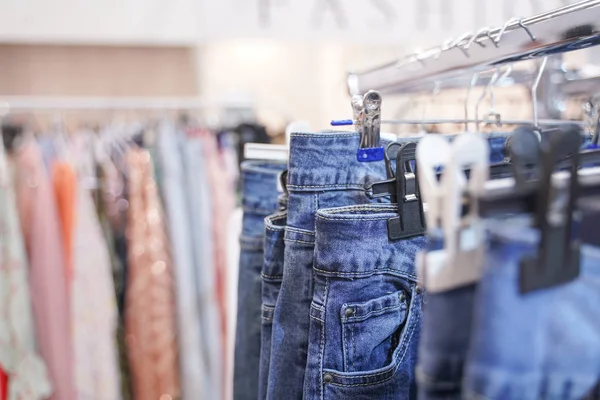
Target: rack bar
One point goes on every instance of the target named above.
(565, 29)
(33, 103)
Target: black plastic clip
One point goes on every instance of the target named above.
(410, 221)
(557, 259)
(387, 187)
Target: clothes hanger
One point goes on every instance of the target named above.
(275, 152)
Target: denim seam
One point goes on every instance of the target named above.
(298, 241)
(317, 318)
(342, 210)
(340, 186)
(322, 352)
(351, 219)
(302, 231)
(369, 314)
(367, 274)
(391, 372)
(276, 230)
(271, 276)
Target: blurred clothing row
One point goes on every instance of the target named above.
(113, 264)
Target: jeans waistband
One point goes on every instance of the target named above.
(327, 161)
(259, 186)
(274, 245)
(352, 242)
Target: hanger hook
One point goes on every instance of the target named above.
(456, 42)
(531, 36)
(477, 35)
(474, 80)
(490, 84)
(534, 88)
(503, 29)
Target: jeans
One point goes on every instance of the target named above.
(539, 345)
(259, 190)
(366, 308)
(272, 275)
(323, 172)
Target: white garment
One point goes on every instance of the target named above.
(94, 315)
(26, 370)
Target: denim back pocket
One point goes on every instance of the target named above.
(371, 331)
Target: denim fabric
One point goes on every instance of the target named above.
(540, 345)
(323, 172)
(366, 309)
(272, 275)
(445, 335)
(259, 199)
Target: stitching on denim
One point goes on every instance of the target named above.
(345, 341)
(267, 308)
(351, 219)
(393, 371)
(322, 350)
(275, 229)
(362, 318)
(341, 210)
(363, 274)
(266, 319)
(271, 276)
(353, 349)
(298, 241)
(316, 307)
(317, 318)
(338, 185)
(302, 231)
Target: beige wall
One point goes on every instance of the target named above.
(97, 71)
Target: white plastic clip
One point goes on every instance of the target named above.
(460, 261)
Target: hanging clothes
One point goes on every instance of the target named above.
(202, 219)
(150, 302)
(48, 286)
(93, 302)
(24, 373)
(64, 180)
(194, 378)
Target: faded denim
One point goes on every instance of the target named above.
(366, 309)
(272, 275)
(540, 345)
(259, 199)
(323, 172)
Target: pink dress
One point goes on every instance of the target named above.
(47, 281)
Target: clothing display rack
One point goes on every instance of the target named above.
(565, 29)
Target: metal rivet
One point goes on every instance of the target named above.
(349, 312)
(328, 378)
(402, 296)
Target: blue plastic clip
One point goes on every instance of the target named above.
(370, 154)
(342, 122)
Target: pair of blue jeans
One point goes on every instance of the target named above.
(366, 308)
(323, 172)
(539, 345)
(272, 275)
(259, 199)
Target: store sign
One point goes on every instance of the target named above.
(190, 21)
(371, 21)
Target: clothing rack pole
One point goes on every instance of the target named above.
(564, 29)
(33, 103)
